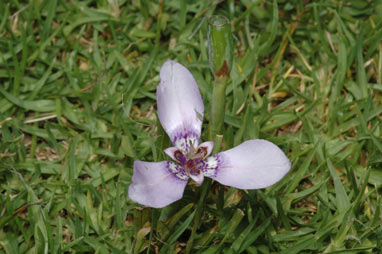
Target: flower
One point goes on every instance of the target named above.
(253, 164)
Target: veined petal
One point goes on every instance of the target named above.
(253, 164)
(180, 105)
(157, 184)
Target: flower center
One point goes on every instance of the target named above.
(193, 160)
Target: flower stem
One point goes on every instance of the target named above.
(220, 49)
(220, 45)
(217, 107)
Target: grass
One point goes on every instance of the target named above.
(78, 106)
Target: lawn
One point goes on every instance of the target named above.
(78, 106)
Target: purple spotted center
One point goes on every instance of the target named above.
(193, 161)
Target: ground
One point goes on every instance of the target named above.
(78, 106)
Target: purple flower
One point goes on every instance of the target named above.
(253, 164)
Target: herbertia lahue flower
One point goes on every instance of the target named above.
(253, 164)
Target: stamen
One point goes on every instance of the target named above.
(190, 165)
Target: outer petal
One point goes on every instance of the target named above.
(180, 105)
(157, 184)
(253, 164)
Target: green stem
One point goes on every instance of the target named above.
(220, 49)
(217, 107)
(216, 125)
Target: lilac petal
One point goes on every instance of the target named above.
(253, 164)
(180, 105)
(157, 184)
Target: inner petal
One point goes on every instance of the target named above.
(197, 176)
(205, 148)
